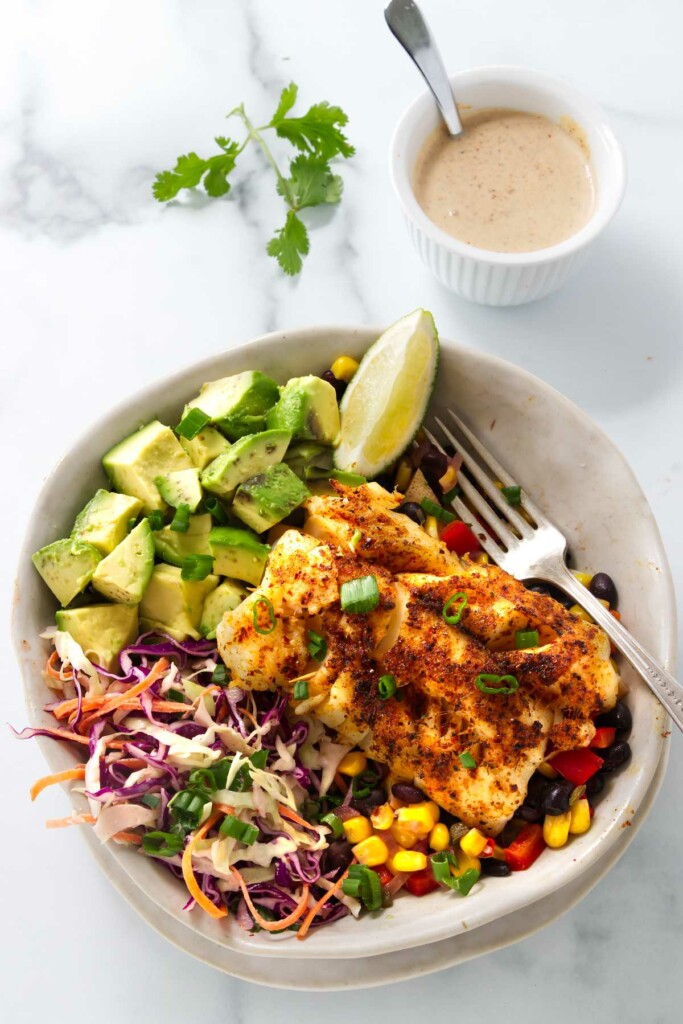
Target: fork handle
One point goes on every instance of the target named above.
(667, 690)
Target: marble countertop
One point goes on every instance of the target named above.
(105, 290)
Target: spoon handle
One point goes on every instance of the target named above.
(405, 20)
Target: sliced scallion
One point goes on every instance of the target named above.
(349, 479)
(513, 494)
(453, 618)
(219, 675)
(271, 616)
(487, 683)
(156, 520)
(300, 691)
(526, 638)
(360, 596)
(192, 423)
(162, 844)
(466, 760)
(387, 686)
(441, 864)
(213, 506)
(196, 567)
(334, 822)
(317, 645)
(433, 509)
(181, 520)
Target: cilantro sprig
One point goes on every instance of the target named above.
(317, 137)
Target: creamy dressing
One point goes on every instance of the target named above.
(513, 182)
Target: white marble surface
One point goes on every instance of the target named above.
(104, 290)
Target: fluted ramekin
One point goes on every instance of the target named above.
(498, 278)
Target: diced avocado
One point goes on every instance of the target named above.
(67, 567)
(224, 598)
(269, 497)
(238, 405)
(174, 547)
(308, 409)
(102, 630)
(310, 460)
(205, 446)
(180, 488)
(238, 553)
(174, 605)
(134, 463)
(124, 574)
(245, 458)
(105, 519)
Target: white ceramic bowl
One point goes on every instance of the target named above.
(494, 278)
(573, 471)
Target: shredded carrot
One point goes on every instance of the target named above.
(130, 762)
(273, 926)
(167, 707)
(54, 673)
(224, 809)
(341, 784)
(188, 874)
(128, 837)
(317, 907)
(50, 780)
(109, 702)
(286, 813)
(70, 707)
(71, 819)
(247, 714)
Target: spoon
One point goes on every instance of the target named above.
(407, 23)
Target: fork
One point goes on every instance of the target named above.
(534, 548)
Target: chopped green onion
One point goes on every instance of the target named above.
(503, 684)
(317, 646)
(513, 494)
(363, 883)
(191, 423)
(351, 887)
(360, 596)
(466, 760)
(350, 479)
(215, 509)
(250, 835)
(432, 509)
(526, 638)
(271, 615)
(441, 864)
(156, 520)
(162, 844)
(196, 567)
(310, 809)
(300, 689)
(355, 540)
(334, 822)
(181, 519)
(387, 686)
(242, 831)
(454, 493)
(359, 794)
(186, 807)
(454, 618)
(259, 758)
(150, 800)
(204, 778)
(174, 694)
(219, 675)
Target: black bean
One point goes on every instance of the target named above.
(618, 718)
(296, 518)
(556, 799)
(338, 385)
(337, 856)
(536, 791)
(494, 867)
(386, 481)
(407, 793)
(433, 464)
(595, 785)
(365, 805)
(615, 756)
(530, 814)
(550, 591)
(413, 511)
(602, 586)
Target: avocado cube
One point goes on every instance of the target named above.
(250, 455)
(105, 519)
(238, 553)
(181, 488)
(135, 463)
(238, 405)
(310, 460)
(174, 547)
(224, 599)
(67, 567)
(124, 574)
(102, 630)
(269, 497)
(173, 605)
(205, 446)
(307, 409)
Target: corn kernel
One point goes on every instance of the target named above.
(435, 809)
(547, 770)
(404, 473)
(357, 829)
(439, 837)
(580, 820)
(605, 604)
(371, 851)
(417, 818)
(448, 481)
(344, 368)
(382, 817)
(556, 829)
(473, 843)
(408, 860)
(404, 836)
(464, 863)
(584, 578)
(431, 527)
(353, 764)
(579, 613)
(480, 558)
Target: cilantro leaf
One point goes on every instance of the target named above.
(215, 182)
(289, 244)
(287, 101)
(311, 183)
(187, 173)
(317, 131)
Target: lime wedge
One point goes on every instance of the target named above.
(387, 398)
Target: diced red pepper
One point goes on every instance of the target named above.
(604, 737)
(525, 849)
(384, 874)
(488, 849)
(419, 883)
(578, 766)
(458, 537)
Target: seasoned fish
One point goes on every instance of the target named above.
(439, 711)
